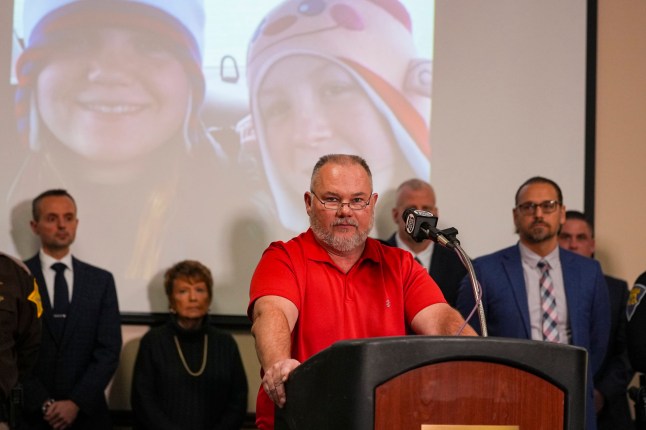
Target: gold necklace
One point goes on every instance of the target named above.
(181, 356)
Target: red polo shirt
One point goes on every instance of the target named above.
(379, 296)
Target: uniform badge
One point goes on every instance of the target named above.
(34, 297)
(637, 293)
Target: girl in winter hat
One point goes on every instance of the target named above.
(336, 76)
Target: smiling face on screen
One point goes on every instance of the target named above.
(112, 94)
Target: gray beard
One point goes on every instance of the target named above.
(339, 244)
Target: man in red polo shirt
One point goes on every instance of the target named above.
(333, 282)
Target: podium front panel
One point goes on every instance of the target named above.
(337, 388)
(468, 393)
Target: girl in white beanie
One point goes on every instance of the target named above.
(336, 77)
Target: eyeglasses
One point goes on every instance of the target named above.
(333, 204)
(529, 208)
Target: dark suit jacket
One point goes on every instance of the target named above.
(637, 325)
(615, 374)
(446, 269)
(504, 300)
(79, 365)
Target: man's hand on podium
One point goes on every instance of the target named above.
(274, 379)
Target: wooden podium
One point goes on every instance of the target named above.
(433, 383)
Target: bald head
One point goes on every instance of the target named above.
(417, 194)
(341, 160)
(421, 189)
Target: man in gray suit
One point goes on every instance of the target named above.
(81, 338)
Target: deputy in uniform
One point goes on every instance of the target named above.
(636, 331)
(20, 310)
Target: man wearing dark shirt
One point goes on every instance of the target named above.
(611, 381)
(442, 264)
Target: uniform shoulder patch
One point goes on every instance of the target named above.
(637, 293)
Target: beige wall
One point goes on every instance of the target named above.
(621, 138)
(620, 207)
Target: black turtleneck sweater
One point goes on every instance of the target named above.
(166, 397)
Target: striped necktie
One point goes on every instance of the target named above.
(548, 304)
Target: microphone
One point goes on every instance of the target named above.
(420, 225)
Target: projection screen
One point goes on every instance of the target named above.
(188, 130)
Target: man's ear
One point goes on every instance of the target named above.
(395, 214)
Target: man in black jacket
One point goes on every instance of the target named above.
(636, 335)
(442, 264)
(637, 324)
(611, 381)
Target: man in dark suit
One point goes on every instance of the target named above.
(442, 264)
(636, 315)
(636, 343)
(81, 338)
(536, 290)
(611, 382)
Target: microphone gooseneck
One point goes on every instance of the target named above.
(421, 225)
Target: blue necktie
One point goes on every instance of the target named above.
(61, 298)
